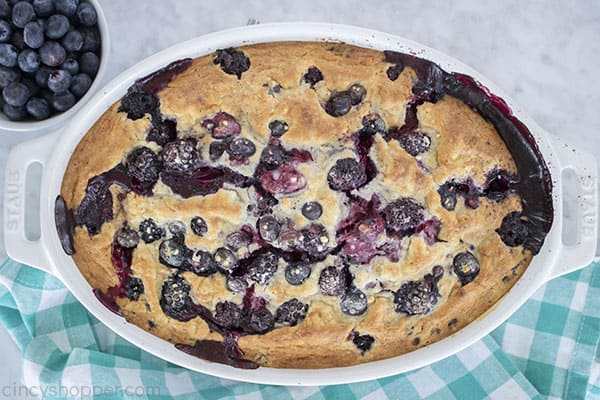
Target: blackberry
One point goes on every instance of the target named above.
(297, 273)
(466, 267)
(414, 142)
(291, 312)
(173, 253)
(315, 239)
(138, 102)
(150, 231)
(232, 62)
(143, 164)
(228, 314)
(363, 342)
(417, 297)
(403, 215)
(268, 228)
(199, 226)
(181, 156)
(134, 288)
(263, 267)
(347, 174)
(175, 300)
(127, 237)
(202, 263)
(312, 76)
(258, 321)
(354, 302)
(513, 231)
(333, 281)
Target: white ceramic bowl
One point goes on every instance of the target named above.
(53, 151)
(51, 124)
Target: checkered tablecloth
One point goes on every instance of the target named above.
(547, 349)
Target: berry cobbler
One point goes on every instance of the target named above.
(304, 205)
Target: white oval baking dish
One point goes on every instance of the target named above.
(53, 152)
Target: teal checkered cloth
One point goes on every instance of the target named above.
(547, 349)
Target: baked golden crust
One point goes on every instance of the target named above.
(463, 145)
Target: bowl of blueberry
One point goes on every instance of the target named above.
(52, 58)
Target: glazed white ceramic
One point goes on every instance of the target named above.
(53, 152)
(17, 127)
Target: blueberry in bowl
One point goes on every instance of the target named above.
(58, 50)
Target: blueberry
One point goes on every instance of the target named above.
(127, 237)
(297, 273)
(268, 228)
(232, 62)
(29, 61)
(14, 113)
(72, 41)
(273, 156)
(417, 297)
(373, 123)
(333, 281)
(241, 147)
(216, 149)
(347, 174)
(161, 132)
(513, 231)
(22, 13)
(38, 108)
(59, 81)
(363, 342)
(354, 302)
(312, 76)
(278, 128)
(258, 321)
(202, 263)
(338, 104)
(414, 142)
(237, 240)
(5, 9)
(312, 210)
(357, 93)
(5, 31)
(173, 252)
(448, 195)
(66, 7)
(177, 228)
(57, 26)
(236, 285)
(143, 165)
(71, 66)
(137, 102)
(226, 260)
(150, 231)
(43, 8)
(18, 40)
(16, 94)
(8, 55)
(403, 215)
(315, 239)
(8, 76)
(291, 312)
(466, 267)
(199, 226)
(134, 288)
(86, 14)
(181, 156)
(33, 35)
(394, 71)
(263, 267)
(222, 125)
(227, 314)
(91, 39)
(52, 54)
(89, 63)
(175, 300)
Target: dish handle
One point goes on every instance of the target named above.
(583, 164)
(21, 156)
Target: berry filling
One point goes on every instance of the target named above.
(419, 297)
(291, 312)
(362, 342)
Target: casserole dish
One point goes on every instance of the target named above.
(47, 253)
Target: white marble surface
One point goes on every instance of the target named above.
(544, 54)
